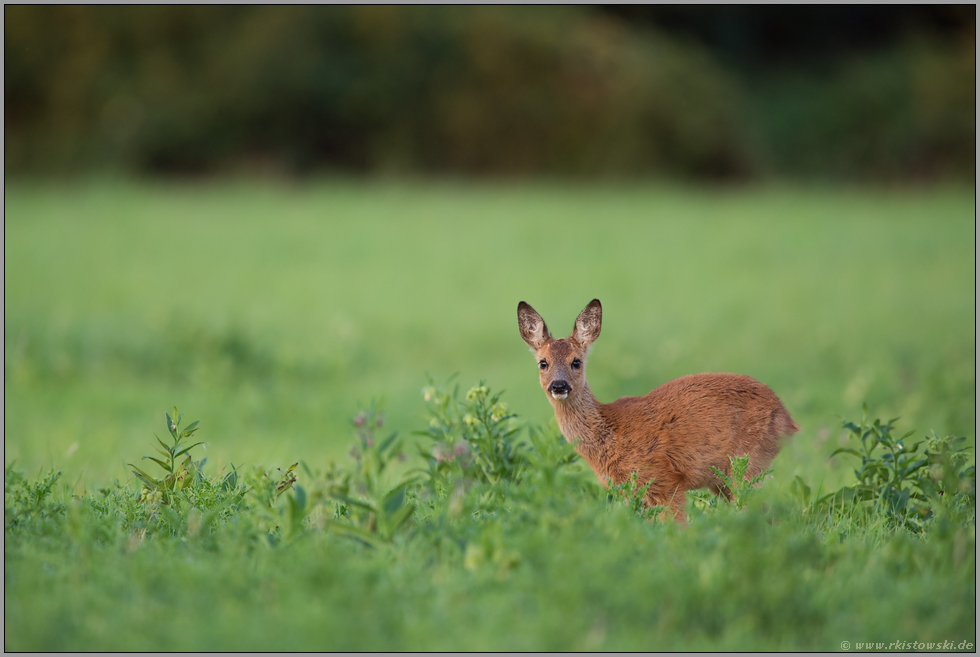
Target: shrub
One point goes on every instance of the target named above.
(907, 484)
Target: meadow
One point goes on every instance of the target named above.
(275, 312)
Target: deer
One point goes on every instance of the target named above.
(670, 437)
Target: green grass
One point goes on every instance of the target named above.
(274, 312)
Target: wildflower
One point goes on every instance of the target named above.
(477, 392)
(469, 420)
(428, 393)
(498, 412)
(460, 449)
(359, 419)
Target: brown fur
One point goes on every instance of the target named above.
(673, 434)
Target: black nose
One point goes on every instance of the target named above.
(559, 387)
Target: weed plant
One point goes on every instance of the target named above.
(903, 484)
(507, 543)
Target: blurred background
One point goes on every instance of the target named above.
(866, 92)
(271, 216)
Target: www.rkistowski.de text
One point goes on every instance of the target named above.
(908, 645)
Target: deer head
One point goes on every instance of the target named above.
(561, 363)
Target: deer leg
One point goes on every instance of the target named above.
(669, 492)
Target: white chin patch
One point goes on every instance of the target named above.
(559, 395)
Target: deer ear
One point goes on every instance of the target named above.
(533, 328)
(588, 324)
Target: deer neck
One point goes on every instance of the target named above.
(584, 426)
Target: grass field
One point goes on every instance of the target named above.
(275, 312)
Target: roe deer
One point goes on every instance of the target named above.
(672, 435)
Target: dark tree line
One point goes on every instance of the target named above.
(688, 91)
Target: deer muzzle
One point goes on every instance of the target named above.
(559, 389)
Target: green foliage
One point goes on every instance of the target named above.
(28, 505)
(196, 512)
(737, 487)
(892, 112)
(473, 436)
(179, 475)
(408, 88)
(554, 462)
(898, 482)
(279, 520)
(267, 489)
(283, 375)
(633, 494)
(370, 510)
(184, 500)
(552, 567)
(275, 360)
(557, 90)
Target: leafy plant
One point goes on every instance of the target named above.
(943, 477)
(904, 482)
(280, 521)
(473, 436)
(538, 538)
(634, 495)
(553, 461)
(368, 510)
(178, 475)
(736, 488)
(267, 489)
(28, 503)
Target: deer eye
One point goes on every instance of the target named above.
(576, 364)
(543, 364)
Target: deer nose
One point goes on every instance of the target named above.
(559, 387)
